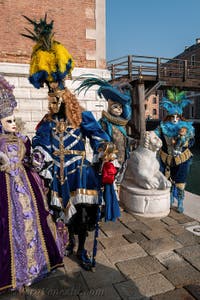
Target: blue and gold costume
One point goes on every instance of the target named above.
(59, 153)
(177, 138)
(73, 179)
(114, 124)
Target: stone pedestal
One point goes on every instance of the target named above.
(143, 202)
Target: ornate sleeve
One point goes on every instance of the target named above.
(42, 150)
(92, 129)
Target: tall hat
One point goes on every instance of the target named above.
(7, 99)
(120, 93)
(175, 102)
(50, 60)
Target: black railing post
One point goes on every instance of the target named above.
(112, 71)
(158, 68)
(130, 67)
(185, 70)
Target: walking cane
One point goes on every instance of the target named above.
(96, 232)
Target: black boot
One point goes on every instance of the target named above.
(71, 244)
(82, 255)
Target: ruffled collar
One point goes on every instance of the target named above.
(114, 120)
(171, 130)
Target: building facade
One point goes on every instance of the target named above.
(152, 107)
(191, 55)
(78, 24)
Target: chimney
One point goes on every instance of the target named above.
(198, 41)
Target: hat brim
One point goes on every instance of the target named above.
(114, 94)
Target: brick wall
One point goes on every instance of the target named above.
(75, 24)
(78, 24)
(152, 107)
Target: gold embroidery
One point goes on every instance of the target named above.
(39, 224)
(181, 186)
(168, 159)
(84, 192)
(61, 153)
(52, 226)
(6, 287)
(13, 275)
(28, 223)
(184, 156)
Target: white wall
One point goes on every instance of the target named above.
(32, 103)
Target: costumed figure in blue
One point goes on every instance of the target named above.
(115, 119)
(177, 135)
(75, 187)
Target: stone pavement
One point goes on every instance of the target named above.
(138, 258)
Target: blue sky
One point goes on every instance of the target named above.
(151, 27)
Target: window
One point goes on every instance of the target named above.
(193, 60)
(154, 100)
(145, 106)
(154, 112)
(192, 112)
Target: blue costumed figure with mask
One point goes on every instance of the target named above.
(177, 135)
(115, 119)
(75, 188)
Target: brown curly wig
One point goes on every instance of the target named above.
(70, 107)
(73, 110)
(168, 118)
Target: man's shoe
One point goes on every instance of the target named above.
(84, 260)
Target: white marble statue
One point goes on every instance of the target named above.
(144, 189)
(143, 166)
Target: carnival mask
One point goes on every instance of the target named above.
(174, 119)
(8, 124)
(115, 108)
(54, 104)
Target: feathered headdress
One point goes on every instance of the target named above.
(50, 60)
(7, 99)
(120, 94)
(175, 102)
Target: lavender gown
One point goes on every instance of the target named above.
(28, 249)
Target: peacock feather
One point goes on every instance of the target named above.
(175, 102)
(90, 82)
(176, 95)
(109, 92)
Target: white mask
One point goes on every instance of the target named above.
(115, 108)
(175, 119)
(8, 124)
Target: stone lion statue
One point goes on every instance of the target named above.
(143, 167)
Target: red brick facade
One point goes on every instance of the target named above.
(72, 18)
(152, 107)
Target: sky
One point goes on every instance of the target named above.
(161, 28)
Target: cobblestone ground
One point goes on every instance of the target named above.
(138, 258)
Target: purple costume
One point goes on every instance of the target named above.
(28, 249)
